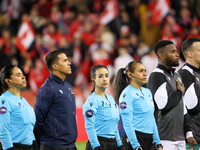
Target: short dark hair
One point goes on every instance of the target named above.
(187, 45)
(161, 44)
(5, 73)
(51, 58)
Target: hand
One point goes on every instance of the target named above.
(159, 147)
(191, 141)
(180, 87)
(121, 147)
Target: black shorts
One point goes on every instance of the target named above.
(45, 147)
(145, 140)
(106, 144)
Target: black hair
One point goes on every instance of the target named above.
(51, 58)
(161, 44)
(121, 80)
(93, 73)
(5, 73)
(187, 45)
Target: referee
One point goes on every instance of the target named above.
(101, 114)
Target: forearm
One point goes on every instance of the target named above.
(172, 101)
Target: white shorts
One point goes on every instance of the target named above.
(173, 145)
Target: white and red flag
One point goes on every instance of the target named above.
(110, 12)
(25, 36)
(160, 10)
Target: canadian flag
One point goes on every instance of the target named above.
(161, 9)
(25, 36)
(109, 13)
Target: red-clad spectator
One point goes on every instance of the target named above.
(173, 26)
(38, 75)
(43, 7)
(5, 40)
(194, 31)
(51, 35)
(76, 25)
(55, 14)
(88, 34)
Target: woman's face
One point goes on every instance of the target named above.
(140, 75)
(17, 79)
(101, 79)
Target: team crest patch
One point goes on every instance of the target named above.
(179, 79)
(89, 113)
(71, 90)
(3, 110)
(123, 105)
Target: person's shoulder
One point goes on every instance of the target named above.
(185, 70)
(5, 100)
(156, 75)
(91, 101)
(46, 88)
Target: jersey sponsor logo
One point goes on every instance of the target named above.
(3, 110)
(2, 102)
(89, 113)
(123, 105)
(61, 91)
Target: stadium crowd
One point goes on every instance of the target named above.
(73, 26)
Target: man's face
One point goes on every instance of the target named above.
(196, 52)
(63, 64)
(171, 56)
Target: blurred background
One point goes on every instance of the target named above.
(90, 32)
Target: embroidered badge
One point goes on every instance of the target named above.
(71, 90)
(3, 110)
(123, 105)
(179, 79)
(89, 113)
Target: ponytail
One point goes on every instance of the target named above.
(120, 82)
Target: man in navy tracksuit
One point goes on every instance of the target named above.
(55, 107)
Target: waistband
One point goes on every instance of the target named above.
(106, 139)
(22, 146)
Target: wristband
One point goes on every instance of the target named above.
(159, 145)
